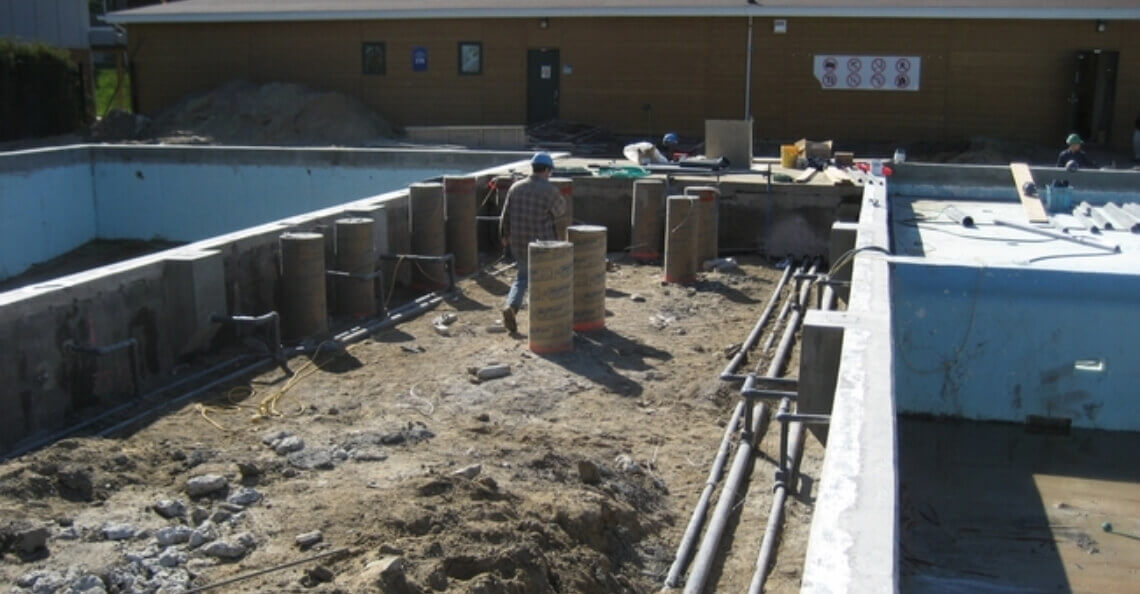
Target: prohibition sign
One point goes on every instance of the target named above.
(878, 80)
(878, 65)
(854, 79)
(830, 80)
(903, 65)
(902, 81)
(854, 64)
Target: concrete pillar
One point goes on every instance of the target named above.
(354, 254)
(195, 287)
(303, 308)
(842, 241)
(820, 349)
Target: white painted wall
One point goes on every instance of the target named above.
(187, 202)
(44, 213)
(61, 23)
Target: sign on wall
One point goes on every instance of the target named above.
(867, 73)
(419, 59)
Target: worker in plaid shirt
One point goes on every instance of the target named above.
(534, 210)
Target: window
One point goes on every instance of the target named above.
(373, 58)
(470, 57)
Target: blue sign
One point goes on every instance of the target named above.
(419, 59)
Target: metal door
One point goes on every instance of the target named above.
(1094, 94)
(541, 85)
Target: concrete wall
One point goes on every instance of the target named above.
(1002, 344)
(780, 220)
(46, 207)
(54, 200)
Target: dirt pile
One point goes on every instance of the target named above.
(244, 113)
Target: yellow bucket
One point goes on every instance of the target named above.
(788, 154)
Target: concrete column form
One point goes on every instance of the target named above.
(195, 284)
(820, 350)
(551, 273)
(429, 235)
(681, 221)
(379, 215)
(708, 236)
(356, 297)
(565, 187)
(459, 194)
(303, 299)
(647, 220)
(589, 276)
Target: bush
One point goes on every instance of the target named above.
(41, 92)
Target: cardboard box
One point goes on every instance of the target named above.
(812, 149)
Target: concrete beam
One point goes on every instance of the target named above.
(195, 284)
(820, 350)
(842, 241)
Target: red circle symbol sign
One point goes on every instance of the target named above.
(854, 64)
(902, 81)
(878, 64)
(830, 80)
(854, 79)
(903, 65)
(830, 64)
(878, 80)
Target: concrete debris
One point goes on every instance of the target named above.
(118, 531)
(225, 549)
(26, 540)
(442, 330)
(660, 321)
(170, 508)
(493, 372)
(496, 327)
(309, 539)
(288, 445)
(468, 472)
(248, 470)
(199, 515)
(446, 319)
(244, 497)
(386, 573)
(203, 534)
(172, 535)
(627, 464)
(319, 459)
(88, 584)
(367, 454)
(172, 557)
(727, 265)
(220, 516)
(320, 574)
(588, 472)
(206, 484)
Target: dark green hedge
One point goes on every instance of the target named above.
(41, 91)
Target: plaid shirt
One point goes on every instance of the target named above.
(532, 208)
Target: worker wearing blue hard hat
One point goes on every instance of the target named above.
(669, 144)
(1075, 157)
(534, 211)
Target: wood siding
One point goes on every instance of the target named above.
(999, 78)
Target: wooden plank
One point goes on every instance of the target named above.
(1034, 210)
(838, 176)
(805, 176)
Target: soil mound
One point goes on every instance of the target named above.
(244, 113)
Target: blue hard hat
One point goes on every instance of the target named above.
(670, 138)
(542, 159)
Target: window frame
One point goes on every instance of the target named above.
(365, 46)
(460, 65)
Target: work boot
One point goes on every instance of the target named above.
(509, 320)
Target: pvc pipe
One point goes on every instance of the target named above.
(789, 336)
(702, 566)
(959, 217)
(693, 531)
(779, 320)
(776, 514)
(1115, 248)
(791, 443)
(750, 342)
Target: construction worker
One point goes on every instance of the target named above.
(1075, 157)
(533, 211)
(669, 144)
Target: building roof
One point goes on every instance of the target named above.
(187, 11)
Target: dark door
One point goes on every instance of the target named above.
(1094, 94)
(541, 85)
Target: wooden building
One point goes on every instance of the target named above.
(886, 70)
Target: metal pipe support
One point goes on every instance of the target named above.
(131, 345)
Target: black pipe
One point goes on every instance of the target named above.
(273, 341)
(730, 370)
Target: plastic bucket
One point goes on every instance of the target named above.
(788, 154)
